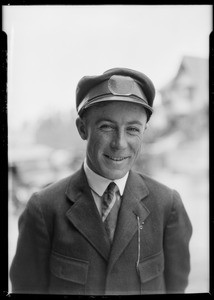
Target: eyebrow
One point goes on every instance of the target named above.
(135, 122)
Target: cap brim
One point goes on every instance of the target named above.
(116, 98)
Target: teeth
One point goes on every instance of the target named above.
(116, 158)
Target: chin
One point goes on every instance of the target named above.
(115, 175)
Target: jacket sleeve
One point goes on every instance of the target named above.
(177, 235)
(29, 268)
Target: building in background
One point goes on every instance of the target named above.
(187, 93)
(179, 125)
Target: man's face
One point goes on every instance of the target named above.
(114, 133)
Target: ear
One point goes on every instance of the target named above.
(81, 127)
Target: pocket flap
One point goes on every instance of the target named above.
(69, 268)
(151, 267)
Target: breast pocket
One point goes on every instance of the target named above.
(72, 270)
(151, 269)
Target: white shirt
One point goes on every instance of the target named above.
(98, 184)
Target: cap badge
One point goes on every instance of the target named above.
(121, 85)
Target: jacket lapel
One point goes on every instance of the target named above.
(131, 208)
(84, 215)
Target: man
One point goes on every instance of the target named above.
(106, 230)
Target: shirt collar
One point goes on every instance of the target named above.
(99, 184)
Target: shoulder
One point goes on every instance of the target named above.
(156, 185)
(158, 192)
(54, 195)
(61, 186)
(153, 185)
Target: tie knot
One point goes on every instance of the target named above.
(112, 188)
(109, 198)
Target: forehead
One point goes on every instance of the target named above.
(117, 110)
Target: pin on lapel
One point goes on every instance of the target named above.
(140, 224)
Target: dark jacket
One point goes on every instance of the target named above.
(63, 247)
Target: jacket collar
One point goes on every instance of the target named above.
(131, 208)
(85, 217)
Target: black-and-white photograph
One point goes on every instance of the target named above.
(108, 149)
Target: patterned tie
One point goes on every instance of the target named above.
(110, 208)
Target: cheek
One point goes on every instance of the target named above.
(136, 144)
(97, 142)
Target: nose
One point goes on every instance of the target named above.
(119, 141)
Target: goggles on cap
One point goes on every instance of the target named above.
(116, 88)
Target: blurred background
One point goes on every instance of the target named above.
(51, 47)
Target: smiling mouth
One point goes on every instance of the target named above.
(116, 158)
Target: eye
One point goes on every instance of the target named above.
(106, 127)
(133, 129)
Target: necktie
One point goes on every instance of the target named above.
(110, 208)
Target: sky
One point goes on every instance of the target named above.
(50, 48)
